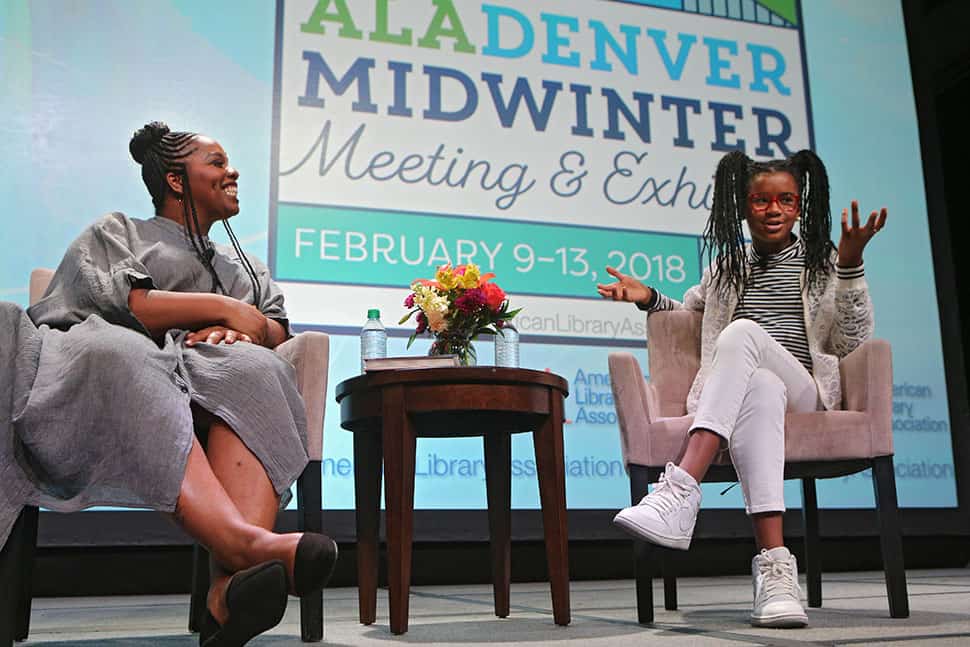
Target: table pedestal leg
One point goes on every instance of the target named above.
(552, 493)
(498, 483)
(367, 490)
(399, 446)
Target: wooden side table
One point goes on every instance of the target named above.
(387, 411)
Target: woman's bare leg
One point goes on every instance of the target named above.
(244, 478)
(207, 512)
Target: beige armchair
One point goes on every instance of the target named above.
(309, 352)
(653, 430)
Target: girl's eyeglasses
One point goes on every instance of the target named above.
(760, 202)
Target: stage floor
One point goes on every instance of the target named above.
(713, 611)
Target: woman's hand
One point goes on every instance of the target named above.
(246, 319)
(216, 335)
(855, 237)
(626, 288)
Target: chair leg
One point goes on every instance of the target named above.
(10, 586)
(643, 551)
(309, 494)
(200, 588)
(890, 535)
(813, 554)
(28, 549)
(668, 566)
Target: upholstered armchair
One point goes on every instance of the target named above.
(653, 429)
(309, 352)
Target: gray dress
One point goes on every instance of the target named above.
(96, 412)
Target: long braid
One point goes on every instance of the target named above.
(723, 238)
(257, 291)
(816, 227)
(203, 248)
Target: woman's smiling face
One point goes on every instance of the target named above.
(213, 181)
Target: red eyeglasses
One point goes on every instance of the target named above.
(760, 202)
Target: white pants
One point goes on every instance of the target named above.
(753, 381)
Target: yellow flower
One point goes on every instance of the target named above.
(471, 276)
(428, 299)
(446, 277)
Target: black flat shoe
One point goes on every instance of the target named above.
(316, 557)
(256, 598)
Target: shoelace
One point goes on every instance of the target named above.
(778, 577)
(666, 497)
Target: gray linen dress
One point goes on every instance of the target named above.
(95, 412)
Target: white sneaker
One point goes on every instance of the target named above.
(776, 592)
(667, 515)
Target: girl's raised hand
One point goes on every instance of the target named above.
(856, 236)
(626, 288)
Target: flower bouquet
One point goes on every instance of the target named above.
(460, 304)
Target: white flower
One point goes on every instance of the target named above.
(436, 320)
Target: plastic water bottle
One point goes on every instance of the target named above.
(507, 347)
(373, 338)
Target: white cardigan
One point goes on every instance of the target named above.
(838, 319)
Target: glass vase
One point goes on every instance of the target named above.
(459, 345)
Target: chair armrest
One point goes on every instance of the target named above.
(309, 353)
(867, 385)
(636, 403)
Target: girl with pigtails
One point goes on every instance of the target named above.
(778, 314)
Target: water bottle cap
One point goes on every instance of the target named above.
(373, 313)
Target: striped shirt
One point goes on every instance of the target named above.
(772, 297)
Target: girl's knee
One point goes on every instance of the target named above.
(765, 385)
(740, 333)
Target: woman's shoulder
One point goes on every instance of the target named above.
(229, 253)
(114, 223)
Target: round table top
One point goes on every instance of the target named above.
(452, 375)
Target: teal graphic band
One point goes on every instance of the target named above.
(329, 244)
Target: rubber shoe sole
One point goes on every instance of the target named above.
(631, 527)
(790, 620)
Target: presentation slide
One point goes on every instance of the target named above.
(543, 141)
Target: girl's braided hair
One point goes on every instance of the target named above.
(723, 237)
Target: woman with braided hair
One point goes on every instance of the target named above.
(778, 314)
(149, 382)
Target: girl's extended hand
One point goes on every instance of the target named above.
(855, 237)
(626, 288)
(216, 335)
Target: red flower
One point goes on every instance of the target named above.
(409, 301)
(471, 300)
(422, 323)
(494, 296)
